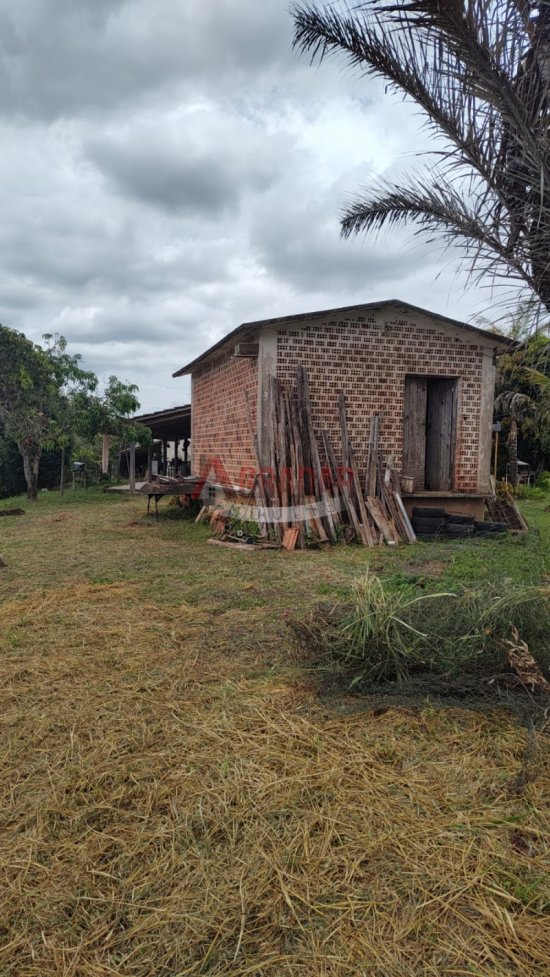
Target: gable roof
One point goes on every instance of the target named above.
(321, 314)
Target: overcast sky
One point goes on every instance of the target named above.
(170, 168)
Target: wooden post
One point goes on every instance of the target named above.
(165, 456)
(105, 450)
(322, 489)
(176, 442)
(496, 457)
(62, 478)
(254, 438)
(132, 467)
(149, 462)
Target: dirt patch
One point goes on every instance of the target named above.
(431, 568)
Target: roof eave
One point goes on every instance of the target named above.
(304, 316)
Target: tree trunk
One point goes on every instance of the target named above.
(513, 453)
(30, 453)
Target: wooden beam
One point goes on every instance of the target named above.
(132, 467)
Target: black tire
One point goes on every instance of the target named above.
(431, 526)
(428, 512)
(459, 529)
(459, 519)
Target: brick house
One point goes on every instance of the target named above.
(429, 377)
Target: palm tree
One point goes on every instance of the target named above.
(524, 382)
(480, 72)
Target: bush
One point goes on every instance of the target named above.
(543, 481)
(530, 492)
(381, 635)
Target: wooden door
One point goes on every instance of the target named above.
(440, 434)
(414, 430)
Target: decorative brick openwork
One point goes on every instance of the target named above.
(218, 420)
(368, 358)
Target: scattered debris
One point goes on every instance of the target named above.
(524, 665)
(502, 507)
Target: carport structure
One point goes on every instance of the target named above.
(172, 425)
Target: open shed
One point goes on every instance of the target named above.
(429, 377)
(172, 426)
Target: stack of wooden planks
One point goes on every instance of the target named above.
(305, 495)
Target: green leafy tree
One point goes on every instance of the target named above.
(47, 398)
(35, 385)
(111, 412)
(480, 74)
(91, 415)
(523, 401)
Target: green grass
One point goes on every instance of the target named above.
(177, 799)
(98, 543)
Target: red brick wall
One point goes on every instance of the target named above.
(367, 357)
(218, 420)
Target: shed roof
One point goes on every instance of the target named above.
(168, 424)
(322, 313)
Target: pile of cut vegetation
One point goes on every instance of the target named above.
(484, 645)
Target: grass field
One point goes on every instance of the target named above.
(176, 799)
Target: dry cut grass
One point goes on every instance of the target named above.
(169, 811)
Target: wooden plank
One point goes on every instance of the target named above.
(298, 458)
(359, 496)
(406, 523)
(440, 434)
(385, 508)
(282, 451)
(272, 437)
(314, 521)
(372, 454)
(395, 513)
(254, 437)
(414, 430)
(242, 547)
(388, 532)
(328, 521)
(344, 490)
(344, 430)
(290, 538)
(132, 467)
(354, 492)
(411, 535)
(332, 467)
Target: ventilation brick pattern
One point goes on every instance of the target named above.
(368, 359)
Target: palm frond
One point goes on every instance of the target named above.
(438, 207)
(479, 70)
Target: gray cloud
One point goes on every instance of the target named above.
(199, 163)
(170, 169)
(65, 57)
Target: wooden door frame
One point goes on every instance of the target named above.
(427, 377)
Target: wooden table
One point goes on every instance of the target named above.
(158, 489)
